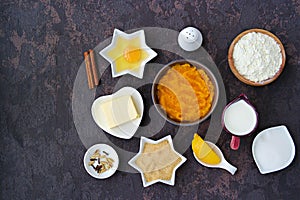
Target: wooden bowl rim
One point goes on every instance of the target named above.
(241, 77)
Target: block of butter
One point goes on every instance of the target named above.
(119, 110)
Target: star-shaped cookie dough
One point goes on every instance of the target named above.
(157, 161)
(128, 53)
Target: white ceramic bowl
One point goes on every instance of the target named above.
(124, 131)
(273, 149)
(134, 165)
(111, 154)
(141, 36)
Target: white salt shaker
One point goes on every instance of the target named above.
(190, 39)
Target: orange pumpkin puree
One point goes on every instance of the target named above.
(185, 93)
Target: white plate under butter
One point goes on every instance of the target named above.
(124, 131)
(273, 149)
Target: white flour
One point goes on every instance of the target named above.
(257, 56)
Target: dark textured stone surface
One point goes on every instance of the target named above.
(42, 43)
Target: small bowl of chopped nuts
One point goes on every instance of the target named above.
(101, 161)
(256, 57)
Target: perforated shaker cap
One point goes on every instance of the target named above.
(190, 39)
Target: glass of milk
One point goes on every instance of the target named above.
(239, 119)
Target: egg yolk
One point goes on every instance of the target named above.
(132, 54)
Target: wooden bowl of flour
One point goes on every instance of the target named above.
(256, 69)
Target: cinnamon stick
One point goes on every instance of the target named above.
(88, 70)
(94, 68)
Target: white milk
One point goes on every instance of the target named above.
(240, 118)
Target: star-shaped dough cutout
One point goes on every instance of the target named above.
(128, 53)
(157, 161)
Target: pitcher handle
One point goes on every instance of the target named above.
(235, 143)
